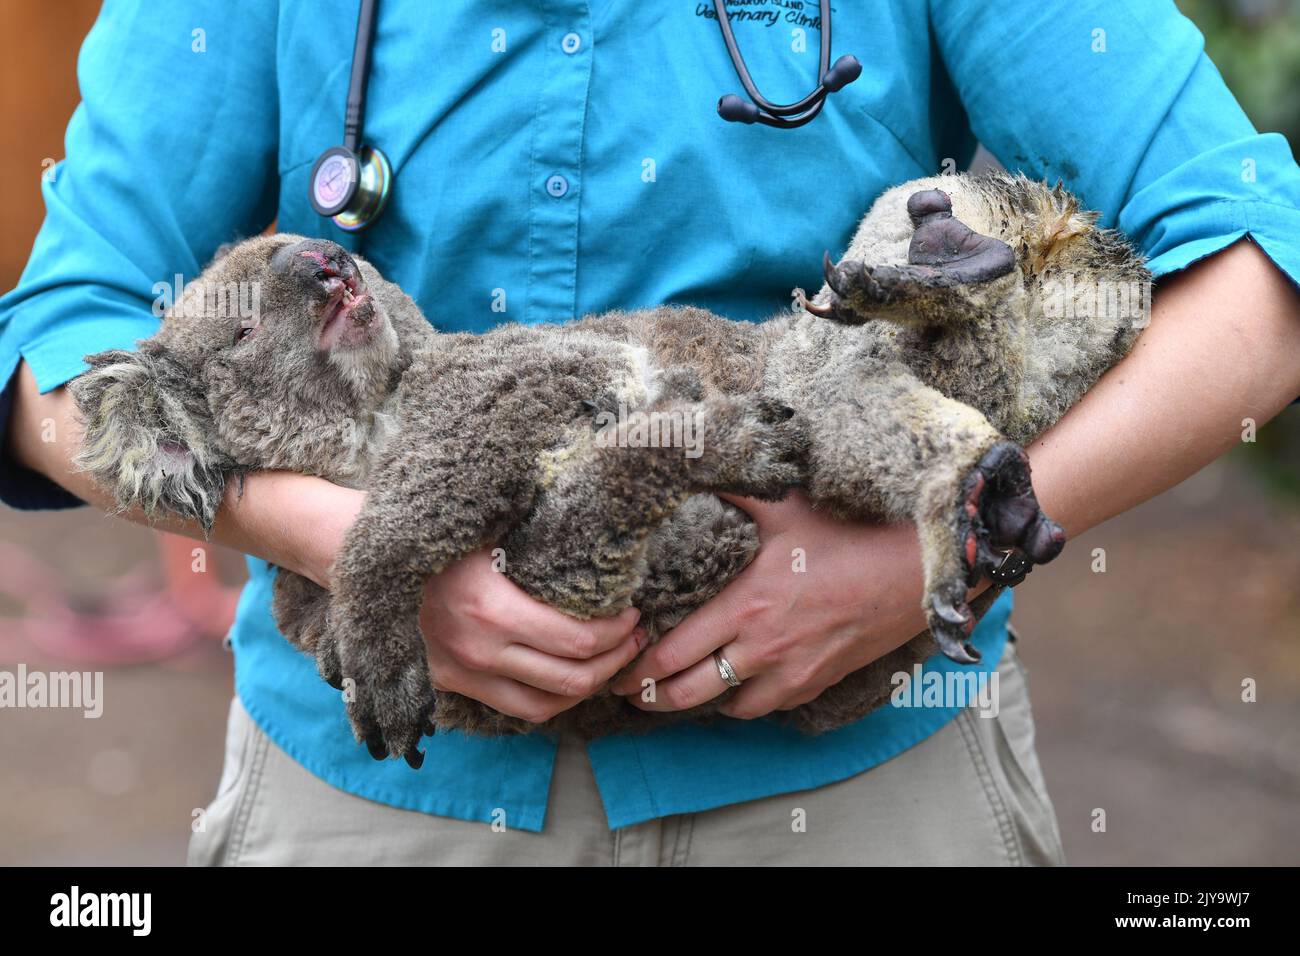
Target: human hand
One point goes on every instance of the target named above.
(488, 639)
(789, 634)
(485, 637)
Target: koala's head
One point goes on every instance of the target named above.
(275, 357)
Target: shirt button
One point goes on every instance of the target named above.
(557, 185)
(571, 43)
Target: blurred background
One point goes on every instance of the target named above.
(1136, 673)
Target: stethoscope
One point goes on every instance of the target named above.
(760, 110)
(350, 184)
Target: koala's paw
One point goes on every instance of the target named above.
(1001, 533)
(752, 445)
(944, 252)
(390, 700)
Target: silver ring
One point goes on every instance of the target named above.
(725, 670)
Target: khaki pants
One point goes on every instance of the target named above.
(971, 794)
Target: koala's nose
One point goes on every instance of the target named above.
(317, 259)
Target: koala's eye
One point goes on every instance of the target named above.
(243, 332)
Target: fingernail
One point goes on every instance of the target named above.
(640, 636)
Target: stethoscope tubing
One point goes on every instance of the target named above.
(371, 175)
(813, 100)
(354, 117)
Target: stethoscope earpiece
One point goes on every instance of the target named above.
(735, 110)
(833, 78)
(842, 72)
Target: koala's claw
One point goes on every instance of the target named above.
(951, 623)
(413, 756)
(844, 279)
(958, 613)
(389, 734)
(327, 661)
(859, 290)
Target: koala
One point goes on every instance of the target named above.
(593, 452)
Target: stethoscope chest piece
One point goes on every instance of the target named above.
(351, 188)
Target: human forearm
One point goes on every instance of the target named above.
(294, 521)
(1223, 346)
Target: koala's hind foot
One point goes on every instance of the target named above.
(945, 256)
(999, 531)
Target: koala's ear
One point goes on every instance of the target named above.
(223, 250)
(148, 434)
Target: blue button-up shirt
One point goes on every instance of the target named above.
(562, 157)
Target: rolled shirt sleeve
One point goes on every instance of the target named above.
(1120, 102)
(171, 153)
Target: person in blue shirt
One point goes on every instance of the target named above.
(557, 158)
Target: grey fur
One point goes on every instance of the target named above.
(929, 356)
